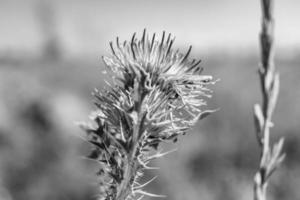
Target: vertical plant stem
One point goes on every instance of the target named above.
(270, 158)
(132, 165)
(129, 174)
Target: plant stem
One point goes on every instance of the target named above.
(129, 173)
(269, 79)
(132, 164)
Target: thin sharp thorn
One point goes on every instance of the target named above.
(197, 63)
(200, 69)
(162, 39)
(169, 37)
(160, 154)
(143, 37)
(186, 55)
(132, 46)
(133, 37)
(193, 62)
(144, 184)
(140, 198)
(152, 42)
(149, 194)
(169, 48)
(117, 41)
(112, 48)
(151, 168)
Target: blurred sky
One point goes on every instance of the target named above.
(85, 27)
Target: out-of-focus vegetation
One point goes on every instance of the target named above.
(41, 150)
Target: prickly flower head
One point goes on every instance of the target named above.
(156, 94)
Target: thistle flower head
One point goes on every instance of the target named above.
(157, 93)
(154, 58)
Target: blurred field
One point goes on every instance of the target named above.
(49, 69)
(41, 149)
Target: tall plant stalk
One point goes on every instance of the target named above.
(270, 157)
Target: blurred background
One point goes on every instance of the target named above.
(50, 62)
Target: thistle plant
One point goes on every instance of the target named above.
(270, 158)
(156, 94)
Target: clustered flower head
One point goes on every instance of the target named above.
(156, 94)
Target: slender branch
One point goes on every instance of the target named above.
(270, 158)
